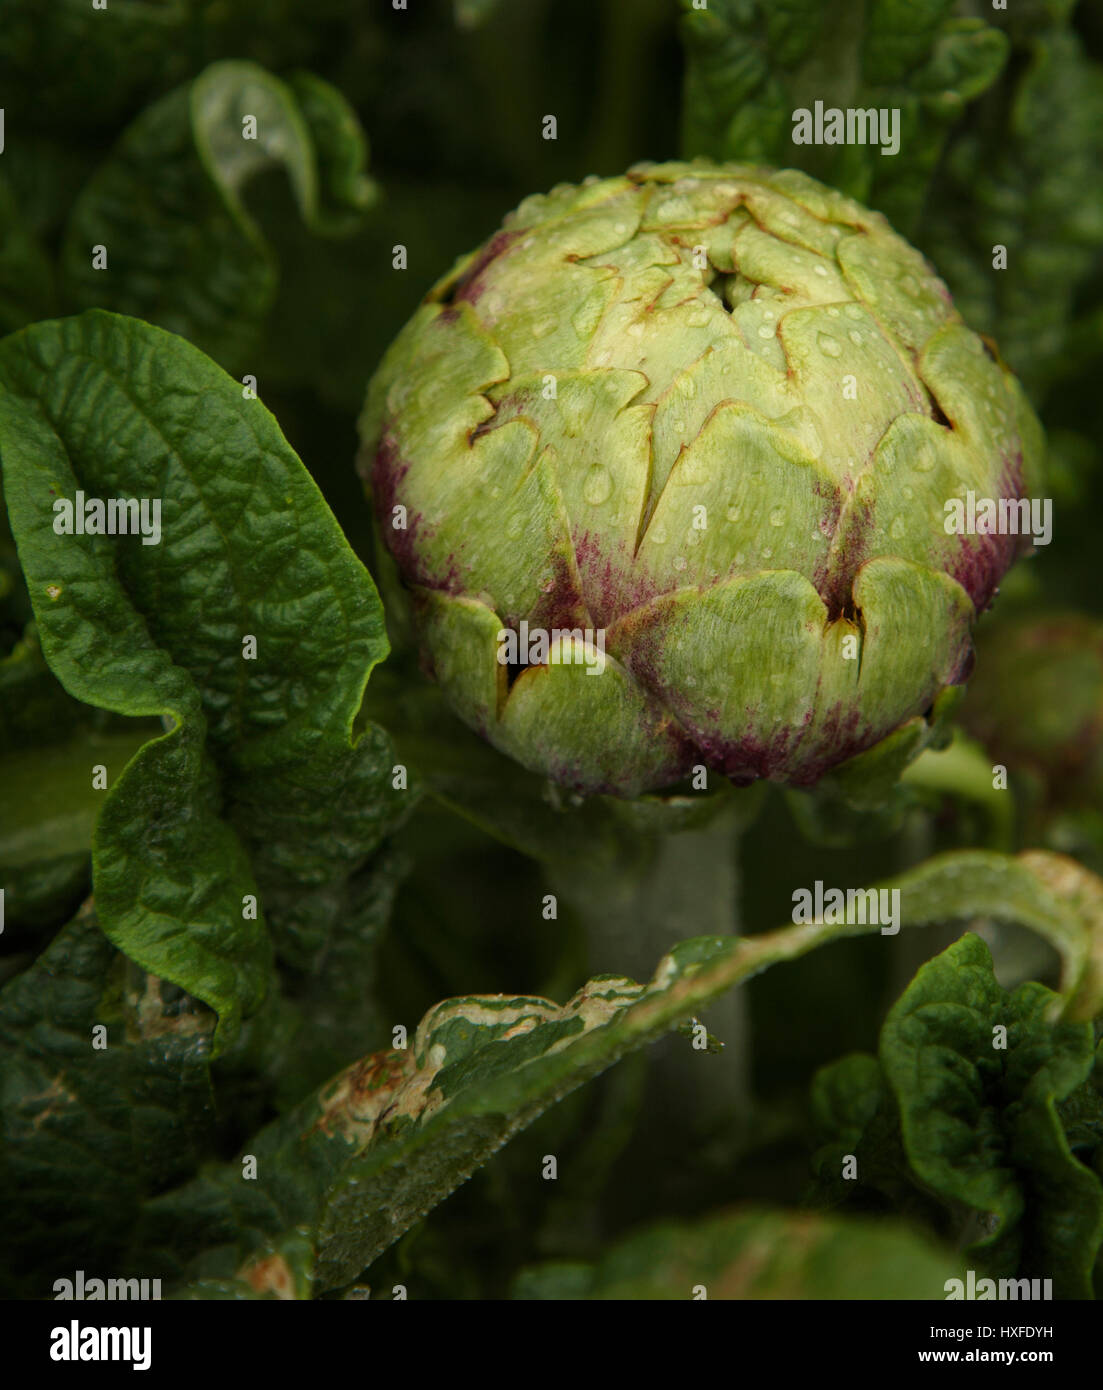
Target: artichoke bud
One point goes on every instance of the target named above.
(665, 466)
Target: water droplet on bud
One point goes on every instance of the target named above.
(598, 485)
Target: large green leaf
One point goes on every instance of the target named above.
(755, 1253)
(392, 1136)
(257, 754)
(980, 1123)
(167, 205)
(985, 1136)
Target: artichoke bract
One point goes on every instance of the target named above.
(665, 465)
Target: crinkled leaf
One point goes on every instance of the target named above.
(755, 1253)
(89, 1131)
(256, 751)
(1027, 177)
(857, 1120)
(395, 1134)
(167, 205)
(751, 64)
(979, 1121)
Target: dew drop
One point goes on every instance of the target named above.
(777, 517)
(767, 552)
(897, 529)
(854, 336)
(598, 485)
(831, 347)
(542, 327)
(734, 513)
(679, 562)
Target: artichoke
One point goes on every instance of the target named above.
(695, 428)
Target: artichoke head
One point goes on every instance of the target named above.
(698, 425)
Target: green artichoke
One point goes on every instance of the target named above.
(695, 428)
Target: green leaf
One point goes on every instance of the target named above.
(167, 205)
(1028, 177)
(751, 64)
(979, 1122)
(756, 1253)
(857, 1118)
(69, 65)
(396, 1133)
(110, 407)
(87, 1131)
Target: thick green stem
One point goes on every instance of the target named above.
(634, 908)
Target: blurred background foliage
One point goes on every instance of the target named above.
(1002, 116)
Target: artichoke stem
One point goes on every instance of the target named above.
(634, 909)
